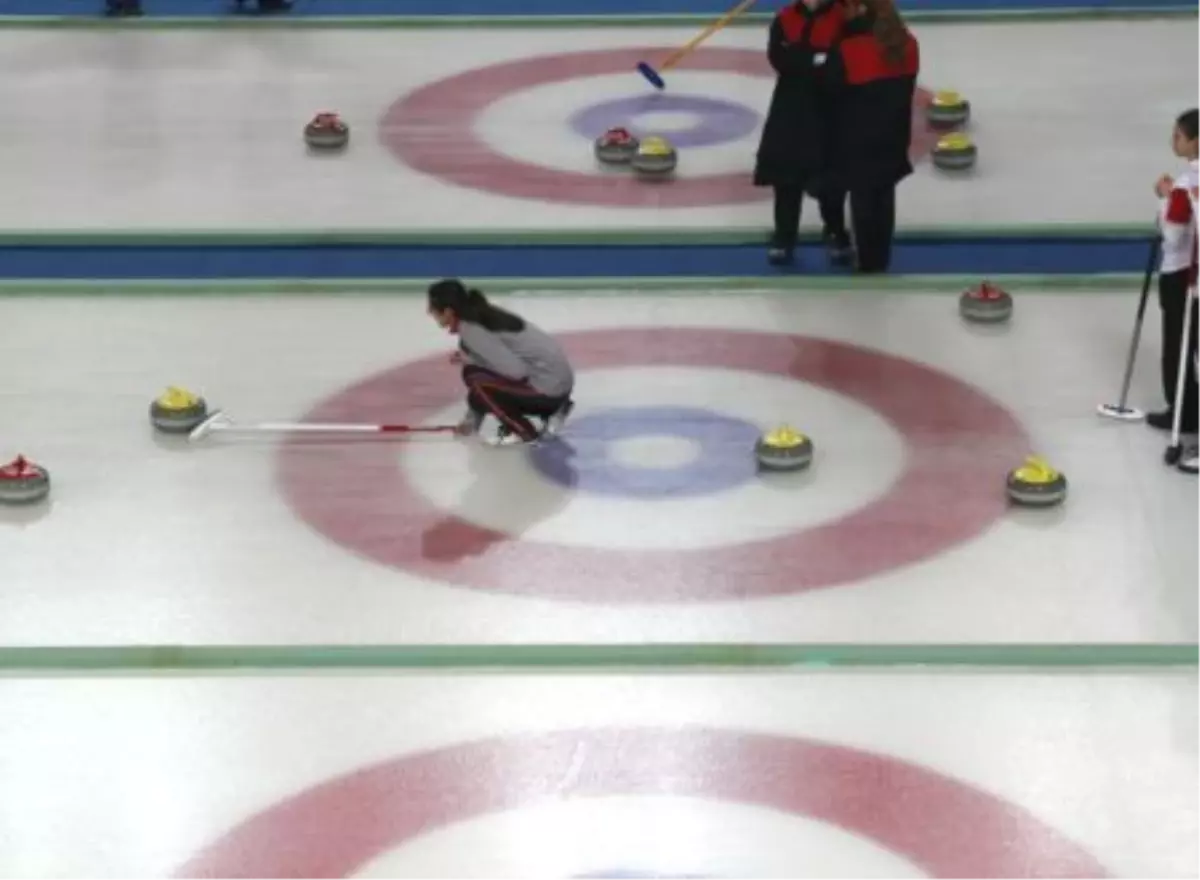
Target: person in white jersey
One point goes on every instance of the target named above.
(1177, 272)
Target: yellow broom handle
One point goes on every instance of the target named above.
(729, 16)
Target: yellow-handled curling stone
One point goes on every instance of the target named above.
(985, 303)
(1036, 484)
(655, 157)
(948, 110)
(955, 152)
(783, 449)
(178, 411)
(23, 482)
(327, 131)
(617, 146)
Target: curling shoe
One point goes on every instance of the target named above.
(505, 436)
(555, 423)
(839, 248)
(1165, 421)
(780, 254)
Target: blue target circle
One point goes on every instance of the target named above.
(722, 459)
(717, 121)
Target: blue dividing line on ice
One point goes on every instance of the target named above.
(929, 255)
(538, 8)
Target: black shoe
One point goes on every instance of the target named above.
(781, 254)
(265, 7)
(1164, 420)
(123, 8)
(839, 248)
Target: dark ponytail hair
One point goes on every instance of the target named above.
(1187, 123)
(888, 28)
(472, 306)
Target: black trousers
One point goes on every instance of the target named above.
(1172, 299)
(873, 215)
(509, 401)
(789, 201)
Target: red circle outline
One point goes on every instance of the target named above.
(946, 827)
(432, 130)
(960, 444)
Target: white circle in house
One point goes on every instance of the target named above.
(648, 835)
(858, 457)
(656, 452)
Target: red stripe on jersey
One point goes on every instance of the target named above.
(1179, 207)
(865, 62)
(792, 21)
(828, 27)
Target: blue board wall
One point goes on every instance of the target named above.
(982, 257)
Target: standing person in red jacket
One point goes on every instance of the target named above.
(872, 77)
(791, 154)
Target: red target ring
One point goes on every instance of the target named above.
(945, 827)
(432, 130)
(959, 444)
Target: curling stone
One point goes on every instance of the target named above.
(655, 157)
(955, 152)
(23, 482)
(1036, 484)
(985, 304)
(948, 110)
(783, 449)
(178, 411)
(327, 132)
(617, 146)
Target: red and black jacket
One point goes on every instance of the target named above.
(800, 34)
(793, 138)
(872, 103)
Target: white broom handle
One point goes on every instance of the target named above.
(300, 428)
(327, 428)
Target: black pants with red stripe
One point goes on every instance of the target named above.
(510, 401)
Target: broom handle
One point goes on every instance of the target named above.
(1185, 340)
(1147, 278)
(729, 16)
(330, 428)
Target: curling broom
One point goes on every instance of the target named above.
(654, 77)
(219, 422)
